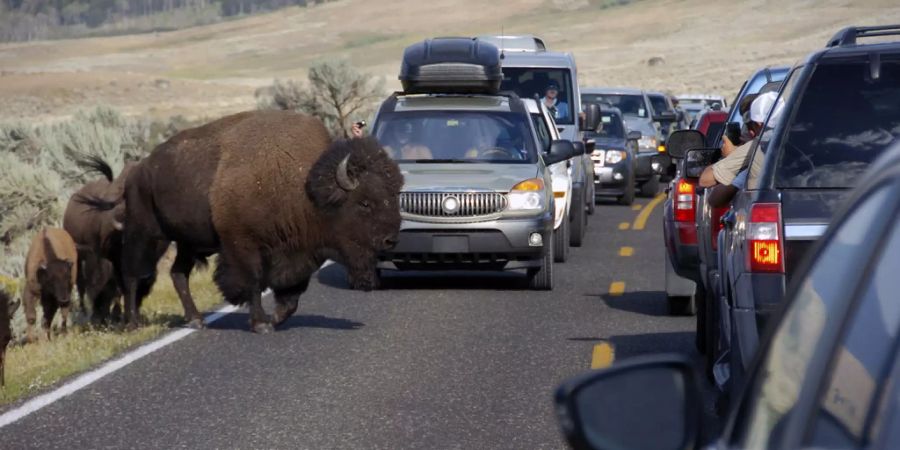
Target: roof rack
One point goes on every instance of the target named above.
(848, 35)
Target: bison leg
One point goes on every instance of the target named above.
(238, 277)
(181, 272)
(30, 314)
(50, 308)
(64, 316)
(287, 301)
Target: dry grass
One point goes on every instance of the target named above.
(32, 368)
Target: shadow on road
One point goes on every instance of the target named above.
(335, 276)
(650, 303)
(631, 345)
(240, 321)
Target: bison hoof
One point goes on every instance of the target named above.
(283, 313)
(263, 328)
(196, 324)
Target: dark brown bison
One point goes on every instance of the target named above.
(5, 331)
(272, 195)
(50, 272)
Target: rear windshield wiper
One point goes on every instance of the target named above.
(442, 161)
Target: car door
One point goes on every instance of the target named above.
(786, 380)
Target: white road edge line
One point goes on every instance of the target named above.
(84, 380)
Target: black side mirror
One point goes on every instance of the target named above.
(679, 142)
(634, 135)
(665, 116)
(697, 159)
(592, 117)
(589, 146)
(580, 148)
(560, 150)
(649, 402)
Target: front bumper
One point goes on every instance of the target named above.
(500, 244)
(643, 167)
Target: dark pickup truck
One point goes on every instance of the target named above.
(838, 110)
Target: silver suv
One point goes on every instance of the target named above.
(478, 191)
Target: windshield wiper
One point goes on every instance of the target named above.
(442, 161)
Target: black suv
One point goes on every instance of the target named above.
(838, 110)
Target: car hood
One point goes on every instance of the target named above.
(609, 142)
(463, 176)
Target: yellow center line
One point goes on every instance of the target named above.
(603, 355)
(626, 251)
(636, 207)
(641, 221)
(617, 288)
(624, 225)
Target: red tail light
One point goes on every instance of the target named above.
(764, 238)
(716, 225)
(684, 201)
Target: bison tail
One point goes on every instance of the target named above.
(95, 164)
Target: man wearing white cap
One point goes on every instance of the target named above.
(725, 171)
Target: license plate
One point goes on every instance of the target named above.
(450, 244)
(603, 171)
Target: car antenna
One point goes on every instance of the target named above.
(502, 55)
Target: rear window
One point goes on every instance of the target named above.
(630, 105)
(843, 122)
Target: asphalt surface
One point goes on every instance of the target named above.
(460, 360)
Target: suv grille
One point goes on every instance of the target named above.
(441, 204)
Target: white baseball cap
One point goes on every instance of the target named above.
(761, 106)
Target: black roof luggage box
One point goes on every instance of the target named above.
(451, 66)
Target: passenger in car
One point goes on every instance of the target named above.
(557, 106)
(401, 143)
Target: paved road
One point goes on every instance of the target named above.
(450, 361)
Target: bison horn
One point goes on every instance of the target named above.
(343, 178)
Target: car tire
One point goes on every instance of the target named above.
(650, 187)
(561, 242)
(712, 332)
(628, 197)
(701, 336)
(591, 200)
(541, 278)
(577, 219)
(681, 306)
(679, 293)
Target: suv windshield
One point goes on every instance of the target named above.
(610, 127)
(844, 120)
(529, 82)
(456, 136)
(630, 105)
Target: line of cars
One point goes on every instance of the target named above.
(797, 309)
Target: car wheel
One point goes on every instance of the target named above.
(710, 304)
(701, 336)
(591, 200)
(541, 278)
(680, 292)
(577, 218)
(628, 197)
(650, 187)
(561, 242)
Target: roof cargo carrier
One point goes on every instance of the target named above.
(451, 66)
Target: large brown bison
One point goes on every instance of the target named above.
(272, 195)
(5, 331)
(50, 272)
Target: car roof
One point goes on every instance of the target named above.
(612, 90)
(516, 43)
(421, 102)
(657, 94)
(538, 60)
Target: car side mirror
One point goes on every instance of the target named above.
(649, 402)
(560, 150)
(664, 116)
(634, 135)
(589, 146)
(592, 117)
(679, 142)
(698, 159)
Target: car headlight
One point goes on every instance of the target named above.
(648, 143)
(527, 195)
(614, 156)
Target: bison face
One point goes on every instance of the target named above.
(356, 186)
(55, 278)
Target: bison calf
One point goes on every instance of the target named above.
(50, 272)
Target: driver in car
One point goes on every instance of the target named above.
(400, 139)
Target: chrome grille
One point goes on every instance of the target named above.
(470, 204)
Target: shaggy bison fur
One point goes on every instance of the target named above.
(5, 330)
(272, 195)
(50, 272)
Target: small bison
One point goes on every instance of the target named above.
(50, 272)
(272, 195)
(5, 331)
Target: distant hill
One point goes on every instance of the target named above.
(26, 20)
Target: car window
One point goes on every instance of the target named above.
(610, 127)
(528, 82)
(543, 133)
(817, 306)
(659, 103)
(759, 154)
(863, 359)
(457, 136)
(630, 105)
(844, 120)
